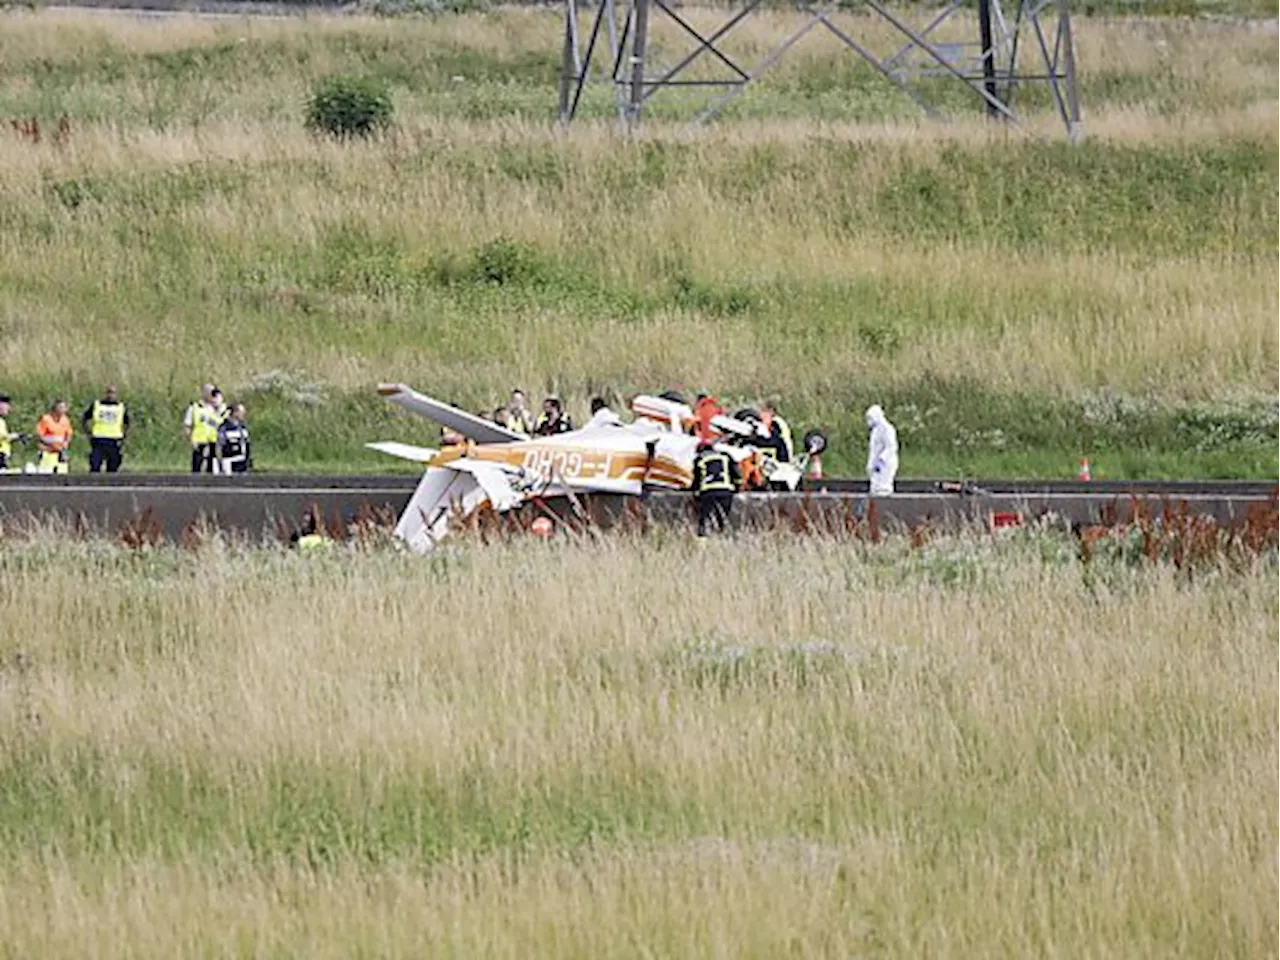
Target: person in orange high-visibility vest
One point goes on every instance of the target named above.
(53, 435)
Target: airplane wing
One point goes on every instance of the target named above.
(405, 451)
(493, 479)
(467, 424)
(445, 493)
(426, 518)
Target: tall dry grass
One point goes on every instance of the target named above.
(636, 746)
(823, 243)
(185, 101)
(252, 244)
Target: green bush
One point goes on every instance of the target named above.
(349, 107)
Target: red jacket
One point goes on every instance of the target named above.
(703, 411)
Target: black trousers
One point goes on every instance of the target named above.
(202, 457)
(714, 507)
(104, 452)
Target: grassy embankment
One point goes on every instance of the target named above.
(966, 750)
(1015, 305)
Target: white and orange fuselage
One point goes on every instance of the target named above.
(603, 460)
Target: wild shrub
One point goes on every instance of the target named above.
(694, 294)
(346, 107)
(500, 262)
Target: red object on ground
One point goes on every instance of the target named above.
(1004, 521)
(1082, 471)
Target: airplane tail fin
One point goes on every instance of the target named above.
(469, 425)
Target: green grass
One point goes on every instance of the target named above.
(962, 430)
(1013, 304)
(973, 747)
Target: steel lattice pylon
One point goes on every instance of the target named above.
(994, 67)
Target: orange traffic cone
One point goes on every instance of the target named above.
(1082, 471)
(815, 467)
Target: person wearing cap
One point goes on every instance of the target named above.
(200, 426)
(107, 422)
(553, 420)
(53, 437)
(6, 438)
(715, 480)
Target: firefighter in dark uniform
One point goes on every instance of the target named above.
(715, 480)
(779, 433)
(107, 423)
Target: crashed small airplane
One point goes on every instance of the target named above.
(504, 469)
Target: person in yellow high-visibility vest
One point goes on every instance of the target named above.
(107, 422)
(6, 438)
(53, 436)
(200, 424)
(517, 416)
(311, 535)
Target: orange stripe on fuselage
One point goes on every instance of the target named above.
(572, 463)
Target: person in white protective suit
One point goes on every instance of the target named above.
(882, 452)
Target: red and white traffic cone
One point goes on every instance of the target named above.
(1082, 471)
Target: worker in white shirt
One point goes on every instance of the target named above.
(601, 415)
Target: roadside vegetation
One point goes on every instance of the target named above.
(969, 748)
(1014, 304)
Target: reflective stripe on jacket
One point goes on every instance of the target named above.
(233, 440)
(785, 429)
(713, 471)
(54, 433)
